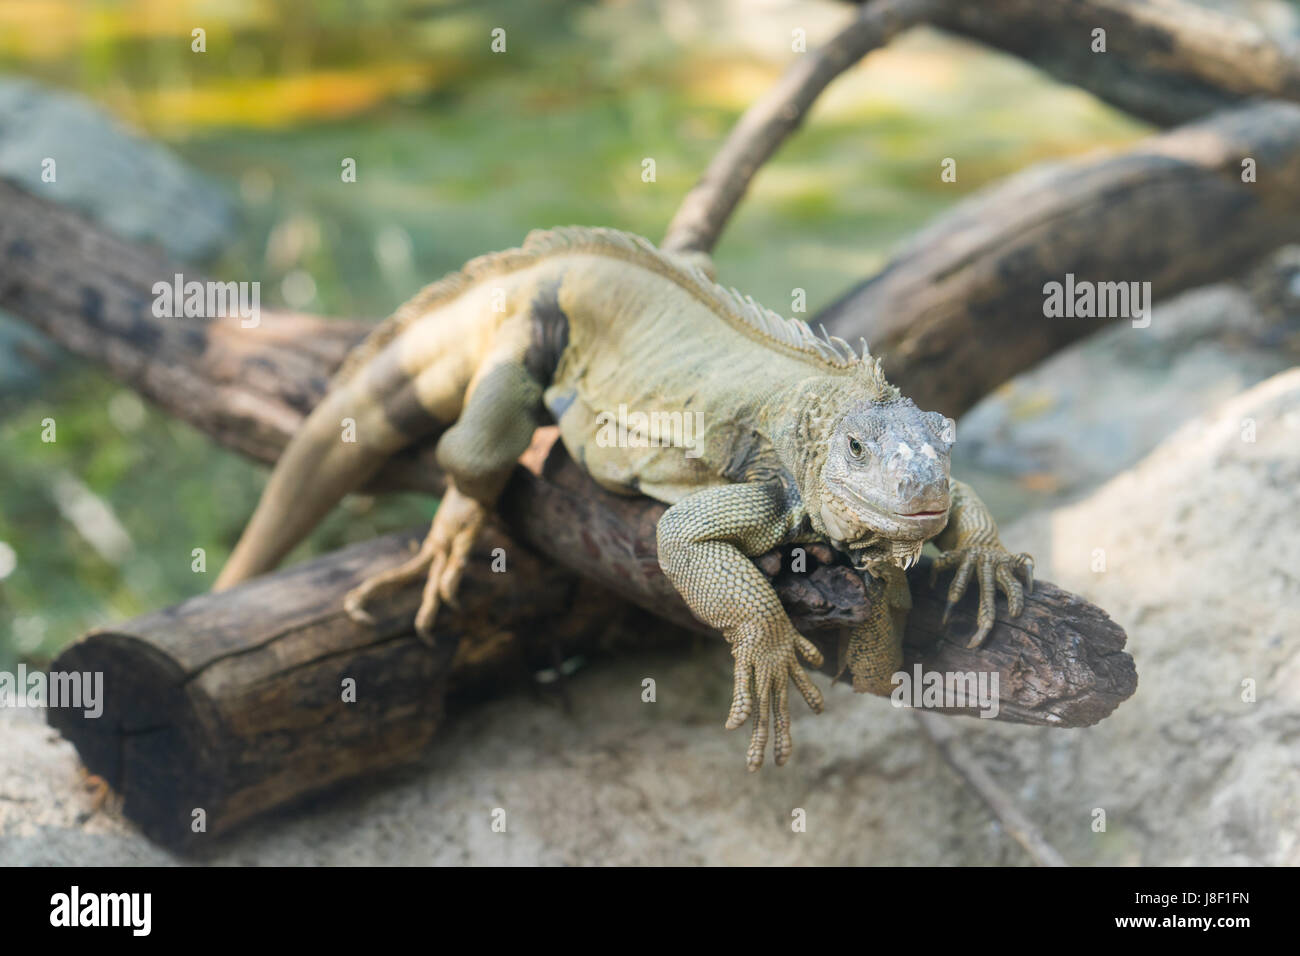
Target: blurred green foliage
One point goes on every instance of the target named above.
(459, 151)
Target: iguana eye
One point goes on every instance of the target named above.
(855, 448)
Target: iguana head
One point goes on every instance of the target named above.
(882, 485)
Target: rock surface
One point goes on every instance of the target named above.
(1058, 431)
(120, 179)
(128, 183)
(1201, 543)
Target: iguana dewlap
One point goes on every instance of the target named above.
(774, 436)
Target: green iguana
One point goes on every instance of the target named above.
(802, 440)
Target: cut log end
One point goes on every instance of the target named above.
(233, 703)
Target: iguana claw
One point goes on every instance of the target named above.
(766, 663)
(440, 561)
(995, 569)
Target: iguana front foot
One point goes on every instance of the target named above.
(996, 568)
(766, 663)
(440, 561)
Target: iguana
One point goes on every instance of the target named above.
(802, 440)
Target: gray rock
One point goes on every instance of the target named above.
(1058, 431)
(1200, 544)
(1201, 541)
(132, 185)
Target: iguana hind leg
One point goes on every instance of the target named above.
(477, 454)
(346, 440)
(440, 561)
(406, 391)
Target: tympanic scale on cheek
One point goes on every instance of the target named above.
(836, 528)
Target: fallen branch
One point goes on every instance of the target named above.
(1166, 62)
(961, 309)
(237, 702)
(1061, 663)
(968, 767)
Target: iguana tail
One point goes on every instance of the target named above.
(394, 390)
(488, 324)
(344, 442)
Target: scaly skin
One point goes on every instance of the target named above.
(873, 651)
(969, 543)
(705, 543)
(800, 440)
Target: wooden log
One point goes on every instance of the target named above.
(960, 309)
(1166, 62)
(1060, 664)
(235, 703)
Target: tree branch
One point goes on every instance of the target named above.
(247, 699)
(961, 308)
(1165, 62)
(778, 113)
